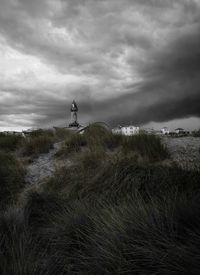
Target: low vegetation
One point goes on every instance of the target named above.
(96, 137)
(9, 142)
(34, 146)
(196, 133)
(147, 146)
(119, 208)
(42, 141)
(11, 179)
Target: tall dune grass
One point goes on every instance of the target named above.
(38, 142)
(116, 210)
(10, 142)
(11, 179)
(148, 146)
(52, 236)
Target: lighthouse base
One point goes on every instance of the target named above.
(74, 124)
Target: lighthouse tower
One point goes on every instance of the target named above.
(74, 117)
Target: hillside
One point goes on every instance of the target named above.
(99, 204)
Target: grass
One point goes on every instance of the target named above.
(196, 133)
(38, 142)
(37, 145)
(92, 158)
(147, 146)
(95, 137)
(73, 144)
(42, 141)
(96, 175)
(116, 210)
(10, 142)
(62, 133)
(11, 179)
(51, 236)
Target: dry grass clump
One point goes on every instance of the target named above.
(92, 158)
(72, 144)
(97, 135)
(147, 146)
(38, 142)
(52, 236)
(35, 146)
(62, 133)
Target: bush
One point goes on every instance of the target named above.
(11, 179)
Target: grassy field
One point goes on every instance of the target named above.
(121, 207)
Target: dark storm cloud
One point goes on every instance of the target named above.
(134, 60)
(171, 88)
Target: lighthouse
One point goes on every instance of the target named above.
(74, 117)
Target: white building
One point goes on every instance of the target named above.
(15, 133)
(117, 130)
(165, 131)
(126, 130)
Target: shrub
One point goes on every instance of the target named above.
(11, 179)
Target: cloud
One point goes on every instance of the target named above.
(131, 60)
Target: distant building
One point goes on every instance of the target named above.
(126, 130)
(29, 131)
(117, 130)
(15, 133)
(165, 131)
(179, 131)
(149, 131)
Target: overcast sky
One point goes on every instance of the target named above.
(121, 60)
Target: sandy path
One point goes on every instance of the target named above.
(43, 167)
